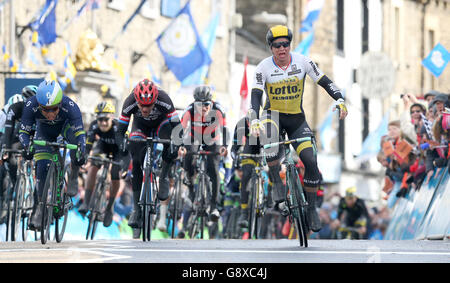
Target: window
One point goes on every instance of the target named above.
(340, 26)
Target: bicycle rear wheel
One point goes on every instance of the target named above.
(47, 201)
(17, 207)
(176, 202)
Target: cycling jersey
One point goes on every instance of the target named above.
(69, 116)
(106, 138)
(284, 87)
(212, 126)
(163, 110)
(11, 128)
(359, 210)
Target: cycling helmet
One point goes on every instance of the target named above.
(105, 108)
(278, 32)
(203, 93)
(146, 92)
(49, 93)
(15, 98)
(29, 91)
(350, 192)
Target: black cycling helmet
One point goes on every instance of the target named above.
(29, 91)
(203, 93)
(278, 32)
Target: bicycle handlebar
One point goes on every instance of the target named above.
(55, 144)
(104, 160)
(150, 139)
(299, 140)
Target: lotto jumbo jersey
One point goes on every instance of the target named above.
(284, 88)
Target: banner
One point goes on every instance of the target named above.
(181, 45)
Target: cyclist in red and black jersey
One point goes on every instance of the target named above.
(153, 115)
(204, 122)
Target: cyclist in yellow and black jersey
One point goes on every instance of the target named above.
(282, 77)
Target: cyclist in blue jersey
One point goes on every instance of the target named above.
(53, 115)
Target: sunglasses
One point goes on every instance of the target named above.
(49, 110)
(146, 105)
(103, 120)
(285, 44)
(204, 104)
(416, 111)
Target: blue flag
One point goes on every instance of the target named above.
(305, 45)
(45, 25)
(181, 45)
(437, 61)
(208, 39)
(371, 146)
(327, 132)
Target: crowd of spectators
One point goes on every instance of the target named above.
(416, 144)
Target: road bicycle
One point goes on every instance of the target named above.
(98, 201)
(148, 199)
(55, 203)
(257, 198)
(23, 195)
(231, 229)
(176, 202)
(199, 217)
(295, 201)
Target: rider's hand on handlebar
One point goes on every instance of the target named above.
(223, 151)
(340, 105)
(255, 128)
(182, 151)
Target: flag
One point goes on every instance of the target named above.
(151, 74)
(371, 146)
(313, 9)
(437, 61)
(170, 8)
(45, 25)
(305, 45)
(244, 90)
(327, 132)
(116, 65)
(93, 4)
(181, 45)
(124, 27)
(208, 39)
(428, 126)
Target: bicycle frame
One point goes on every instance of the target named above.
(56, 203)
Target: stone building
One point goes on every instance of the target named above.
(107, 22)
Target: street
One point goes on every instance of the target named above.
(226, 251)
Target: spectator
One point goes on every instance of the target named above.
(429, 96)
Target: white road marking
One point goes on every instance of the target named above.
(368, 252)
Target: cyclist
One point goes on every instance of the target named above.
(153, 113)
(282, 76)
(103, 131)
(204, 123)
(241, 143)
(53, 114)
(352, 212)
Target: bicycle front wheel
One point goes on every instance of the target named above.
(17, 207)
(47, 202)
(297, 200)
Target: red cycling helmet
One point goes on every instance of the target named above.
(146, 92)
